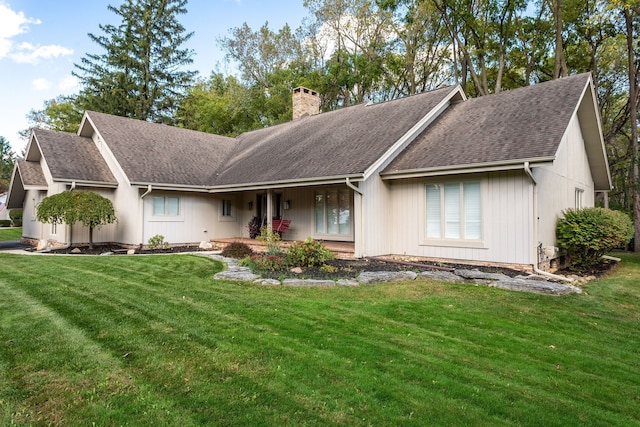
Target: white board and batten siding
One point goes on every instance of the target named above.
(196, 216)
(559, 182)
(506, 218)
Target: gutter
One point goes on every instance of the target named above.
(353, 187)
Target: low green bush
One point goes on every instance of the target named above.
(271, 239)
(16, 217)
(264, 262)
(5, 222)
(308, 253)
(587, 234)
(237, 250)
(157, 242)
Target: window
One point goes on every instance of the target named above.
(453, 211)
(578, 198)
(226, 208)
(333, 212)
(166, 206)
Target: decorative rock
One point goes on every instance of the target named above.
(347, 282)
(445, 276)
(236, 275)
(536, 286)
(131, 252)
(296, 270)
(385, 276)
(106, 253)
(42, 245)
(205, 245)
(267, 282)
(477, 274)
(308, 282)
(76, 251)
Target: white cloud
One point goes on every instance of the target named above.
(14, 23)
(40, 84)
(11, 24)
(68, 84)
(26, 53)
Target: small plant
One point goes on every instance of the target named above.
(587, 234)
(327, 268)
(264, 262)
(237, 250)
(254, 227)
(157, 242)
(309, 253)
(271, 239)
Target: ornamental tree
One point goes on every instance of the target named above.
(69, 207)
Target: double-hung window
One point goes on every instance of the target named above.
(453, 211)
(333, 212)
(166, 206)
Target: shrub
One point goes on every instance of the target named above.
(271, 239)
(5, 222)
(309, 253)
(16, 217)
(254, 227)
(237, 250)
(587, 234)
(264, 262)
(157, 242)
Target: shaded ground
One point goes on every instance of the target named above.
(119, 250)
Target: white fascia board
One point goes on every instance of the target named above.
(86, 121)
(287, 184)
(465, 169)
(412, 133)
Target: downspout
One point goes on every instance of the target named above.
(146, 193)
(527, 169)
(358, 226)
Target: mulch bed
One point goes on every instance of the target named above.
(339, 268)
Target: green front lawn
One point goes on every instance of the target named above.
(154, 340)
(14, 233)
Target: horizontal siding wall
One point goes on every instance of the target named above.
(507, 212)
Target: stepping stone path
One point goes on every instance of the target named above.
(533, 283)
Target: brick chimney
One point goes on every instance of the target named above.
(305, 102)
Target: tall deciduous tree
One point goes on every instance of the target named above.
(6, 163)
(141, 72)
(61, 113)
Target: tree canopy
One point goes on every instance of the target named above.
(70, 207)
(6, 163)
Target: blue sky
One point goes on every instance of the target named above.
(40, 40)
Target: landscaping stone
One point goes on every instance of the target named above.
(76, 251)
(205, 245)
(236, 275)
(536, 286)
(308, 282)
(445, 276)
(271, 282)
(385, 276)
(477, 274)
(347, 282)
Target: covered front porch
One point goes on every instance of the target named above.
(342, 250)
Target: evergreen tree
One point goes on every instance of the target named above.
(141, 72)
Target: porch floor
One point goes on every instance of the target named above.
(342, 250)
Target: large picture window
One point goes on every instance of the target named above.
(333, 212)
(166, 206)
(453, 211)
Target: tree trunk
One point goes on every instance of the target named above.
(633, 119)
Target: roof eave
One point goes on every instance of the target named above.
(307, 182)
(466, 169)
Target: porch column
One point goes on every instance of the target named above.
(270, 208)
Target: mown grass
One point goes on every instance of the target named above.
(154, 340)
(13, 233)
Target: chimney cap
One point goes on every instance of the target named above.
(303, 89)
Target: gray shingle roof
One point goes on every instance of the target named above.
(72, 157)
(337, 143)
(525, 123)
(160, 154)
(31, 173)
